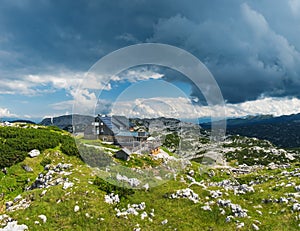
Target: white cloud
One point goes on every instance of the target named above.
(35, 84)
(273, 106)
(4, 112)
(183, 108)
(85, 96)
(243, 48)
(179, 107)
(256, 20)
(138, 74)
(62, 80)
(84, 102)
(268, 42)
(69, 81)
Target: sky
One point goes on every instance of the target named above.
(252, 49)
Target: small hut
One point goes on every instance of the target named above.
(123, 154)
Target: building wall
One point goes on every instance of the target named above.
(122, 155)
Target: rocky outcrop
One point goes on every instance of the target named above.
(133, 182)
(13, 226)
(52, 177)
(186, 193)
(112, 198)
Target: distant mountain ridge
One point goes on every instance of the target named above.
(283, 131)
(65, 122)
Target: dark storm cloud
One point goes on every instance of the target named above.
(251, 48)
(247, 56)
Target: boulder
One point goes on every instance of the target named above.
(76, 208)
(27, 168)
(111, 198)
(186, 193)
(34, 153)
(17, 198)
(13, 226)
(9, 204)
(164, 222)
(68, 185)
(144, 215)
(43, 218)
(255, 227)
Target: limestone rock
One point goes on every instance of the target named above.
(34, 153)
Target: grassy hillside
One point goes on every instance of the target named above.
(268, 195)
(16, 142)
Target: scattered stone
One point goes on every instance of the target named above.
(164, 222)
(222, 211)
(8, 204)
(182, 180)
(68, 185)
(17, 198)
(211, 173)
(22, 204)
(186, 193)
(215, 194)
(4, 219)
(255, 227)
(51, 178)
(27, 168)
(146, 187)
(240, 225)
(131, 209)
(133, 182)
(34, 153)
(257, 222)
(144, 215)
(43, 218)
(235, 186)
(191, 172)
(243, 189)
(4, 170)
(296, 207)
(13, 226)
(236, 210)
(206, 207)
(283, 200)
(259, 212)
(47, 167)
(152, 213)
(228, 218)
(112, 198)
(137, 228)
(43, 193)
(76, 208)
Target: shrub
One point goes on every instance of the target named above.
(110, 188)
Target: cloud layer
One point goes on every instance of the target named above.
(4, 112)
(184, 109)
(246, 55)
